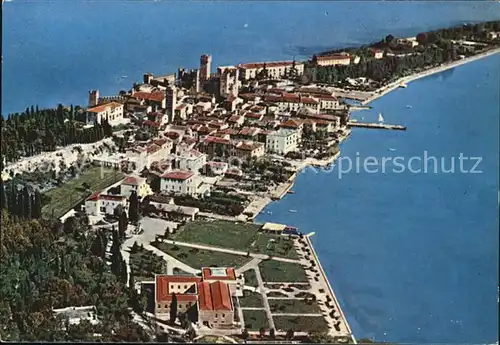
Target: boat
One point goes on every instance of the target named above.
(291, 192)
(380, 117)
(293, 211)
(392, 150)
(354, 120)
(403, 85)
(408, 106)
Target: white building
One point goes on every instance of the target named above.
(181, 182)
(102, 204)
(191, 160)
(75, 315)
(113, 112)
(328, 102)
(218, 168)
(135, 183)
(275, 69)
(282, 141)
(293, 102)
(332, 59)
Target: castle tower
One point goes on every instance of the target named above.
(93, 98)
(171, 102)
(205, 67)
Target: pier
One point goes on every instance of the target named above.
(376, 125)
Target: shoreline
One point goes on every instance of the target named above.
(395, 84)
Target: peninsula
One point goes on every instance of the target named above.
(131, 218)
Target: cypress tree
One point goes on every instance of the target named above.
(3, 196)
(173, 309)
(37, 206)
(133, 211)
(26, 203)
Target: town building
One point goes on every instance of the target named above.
(159, 81)
(282, 141)
(275, 69)
(332, 59)
(249, 149)
(227, 275)
(328, 102)
(229, 80)
(155, 99)
(191, 160)
(211, 298)
(293, 102)
(113, 112)
(181, 182)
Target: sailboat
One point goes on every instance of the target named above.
(380, 118)
(403, 85)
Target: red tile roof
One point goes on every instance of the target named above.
(254, 116)
(214, 296)
(101, 108)
(267, 64)
(156, 96)
(131, 181)
(216, 140)
(94, 196)
(333, 57)
(290, 123)
(162, 291)
(177, 175)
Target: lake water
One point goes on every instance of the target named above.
(412, 257)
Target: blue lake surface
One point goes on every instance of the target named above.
(412, 257)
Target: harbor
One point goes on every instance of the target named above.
(376, 125)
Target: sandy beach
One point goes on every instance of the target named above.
(394, 85)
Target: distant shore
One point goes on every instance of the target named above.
(394, 85)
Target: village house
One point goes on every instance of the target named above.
(332, 59)
(249, 149)
(282, 141)
(249, 133)
(75, 315)
(103, 204)
(191, 160)
(293, 125)
(293, 102)
(377, 53)
(215, 146)
(275, 69)
(236, 120)
(135, 183)
(156, 99)
(182, 182)
(112, 112)
(218, 168)
(227, 275)
(328, 102)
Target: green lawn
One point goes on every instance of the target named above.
(301, 323)
(145, 264)
(255, 319)
(235, 235)
(250, 278)
(63, 198)
(251, 300)
(197, 258)
(294, 306)
(277, 271)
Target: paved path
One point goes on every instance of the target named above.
(298, 314)
(230, 251)
(248, 266)
(264, 299)
(253, 308)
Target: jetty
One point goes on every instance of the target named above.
(376, 125)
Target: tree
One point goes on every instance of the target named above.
(389, 39)
(289, 334)
(422, 38)
(262, 332)
(3, 196)
(122, 225)
(245, 334)
(173, 309)
(37, 206)
(272, 333)
(133, 210)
